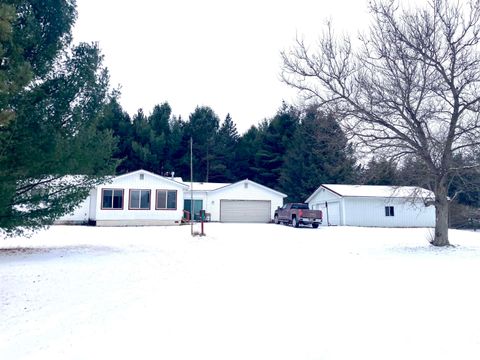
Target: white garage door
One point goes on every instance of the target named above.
(245, 211)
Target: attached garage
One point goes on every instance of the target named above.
(251, 211)
(244, 201)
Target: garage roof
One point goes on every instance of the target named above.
(375, 191)
(201, 186)
(247, 181)
(206, 186)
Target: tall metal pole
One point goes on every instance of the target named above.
(192, 204)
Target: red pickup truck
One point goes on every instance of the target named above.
(298, 214)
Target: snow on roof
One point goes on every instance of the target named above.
(379, 191)
(203, 186)
(170, 179)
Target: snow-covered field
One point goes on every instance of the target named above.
(249, 292)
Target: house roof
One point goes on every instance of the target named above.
(375, 191)
(173, 181)
(206, 186)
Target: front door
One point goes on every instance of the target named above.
(197, 206)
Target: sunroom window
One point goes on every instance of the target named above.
(139, 200)
(112, 199)
(166, 200)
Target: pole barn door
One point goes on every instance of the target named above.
(333, 214)
(247, 211)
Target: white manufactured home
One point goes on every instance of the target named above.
(136, 198)
(371, 205)
(145, 198)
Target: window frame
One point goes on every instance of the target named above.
(166, 199)
(113, 193)
(140, 198)
(389, 211)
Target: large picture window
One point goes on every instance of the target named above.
(112, 199)
(139, 200)
(166, 200)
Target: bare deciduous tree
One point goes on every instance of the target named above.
(411, 87)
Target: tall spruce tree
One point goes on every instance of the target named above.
(142, 156)
(223, 162)
(52, 96)
(318, 153)
(202, 128)
(246, 150)
(274, 140)
(179, 148)
(118, 121)
(159, 122)
(379, 172)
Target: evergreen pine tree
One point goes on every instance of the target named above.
(142, 156)
(52, 96)
(223, 161)
(202, 127)
(318, 153)
(159, 122)
(245, 153)
(179, 148)
(118, 121)
(274, 141)
(379, 172)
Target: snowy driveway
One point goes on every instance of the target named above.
(245, 291)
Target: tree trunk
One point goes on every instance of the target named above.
(441, 216)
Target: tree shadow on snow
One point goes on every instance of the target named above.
(58, 251)
(436, 251)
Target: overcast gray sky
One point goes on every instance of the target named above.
(223, 54)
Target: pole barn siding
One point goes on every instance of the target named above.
(371, 212)
(365, 205)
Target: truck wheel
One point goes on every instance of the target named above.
(315, 226)
(275, 219)
(295, 222)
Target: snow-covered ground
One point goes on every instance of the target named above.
(256, 292)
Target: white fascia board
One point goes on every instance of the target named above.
(320, 188)
(151, 174)
(253, 183)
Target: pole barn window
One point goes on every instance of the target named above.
(389, 211)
